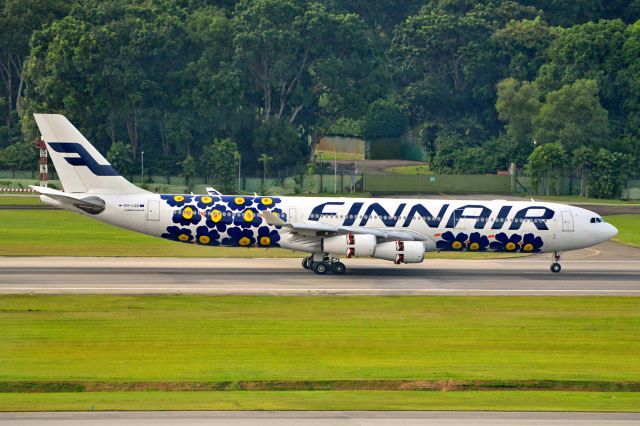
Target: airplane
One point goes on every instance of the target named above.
(397, 230)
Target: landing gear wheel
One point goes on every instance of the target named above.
(306, 263)
(339, 268)
(320, 268)
(555, 267)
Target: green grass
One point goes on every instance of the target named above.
(15, 200)
(196, 339)
(212, 339)
(340, 156)
(628, 227)
(584, 200)
(410, 170)
(62, 233)
(321, 400)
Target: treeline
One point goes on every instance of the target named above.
(481, 82)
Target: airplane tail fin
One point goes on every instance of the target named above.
(79, 165)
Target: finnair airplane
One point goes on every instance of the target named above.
(400, 231)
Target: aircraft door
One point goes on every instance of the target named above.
(153, 210)
(567, 222)
(293, 216)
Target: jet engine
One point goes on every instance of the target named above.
(401, 251)
(350, 245)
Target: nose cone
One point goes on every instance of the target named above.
(610, 231)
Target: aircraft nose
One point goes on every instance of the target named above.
(611, 231)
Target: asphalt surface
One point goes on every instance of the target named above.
(279, 418)
(607, 269)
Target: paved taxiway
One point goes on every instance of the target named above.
(273, 418)
(608, 269)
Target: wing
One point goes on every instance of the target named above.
(319, 229)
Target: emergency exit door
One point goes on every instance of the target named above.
(567, 222)
(153, 210)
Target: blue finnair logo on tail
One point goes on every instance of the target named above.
(83, 159)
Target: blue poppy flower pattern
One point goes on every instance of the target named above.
(206, 201)
(452, 242)
(186, 216)
(505, 243)
(177, 200)
(223, 220)
(265, 203)
(218, 217)
(477, 242)
(239, 237)
(267, 237)
(207, 237)
(177, 233)
(531, 244)
(237, 203)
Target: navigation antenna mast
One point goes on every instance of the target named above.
(43, 162)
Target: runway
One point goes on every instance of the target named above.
(609, 269)
(351, 418)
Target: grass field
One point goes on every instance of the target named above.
(324, 400)
(62, 233)
(191, 339)
(628, 227)
(340, 156)
(410, 170)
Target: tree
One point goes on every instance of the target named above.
(120, 155)
(189, 168)
(282, 142)
(517, 105)
(220, 159)
(609, 173)
(573, 117)
(582, 159)
(545, 164)
(18, 156)
(524, 46)
(592, 51)
(384, 120)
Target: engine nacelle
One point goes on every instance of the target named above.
(401, 251)
(350, 245)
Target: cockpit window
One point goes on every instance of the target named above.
(596, 220)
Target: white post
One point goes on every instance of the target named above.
(142, 168)
(239, 172)
(335, 172)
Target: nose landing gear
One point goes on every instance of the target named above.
(327, 264)
(555, 266)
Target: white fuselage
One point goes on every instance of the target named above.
(441, 225)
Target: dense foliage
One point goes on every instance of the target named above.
(479, 80)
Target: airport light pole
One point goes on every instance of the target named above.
(239, 172)
(142, 168)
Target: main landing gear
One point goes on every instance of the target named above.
(555, 266)
(324, 264)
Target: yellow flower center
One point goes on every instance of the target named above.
(216, 216)
(510, 246)
(244, 241)
(528, 247)
(178, 198)
(457, 245)
(187, 213)
(474, 246)
(183, 237)
(267, 201)
(248, 216)
(204, 239)
(265, 241)
(239, 200)
(206, 200)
